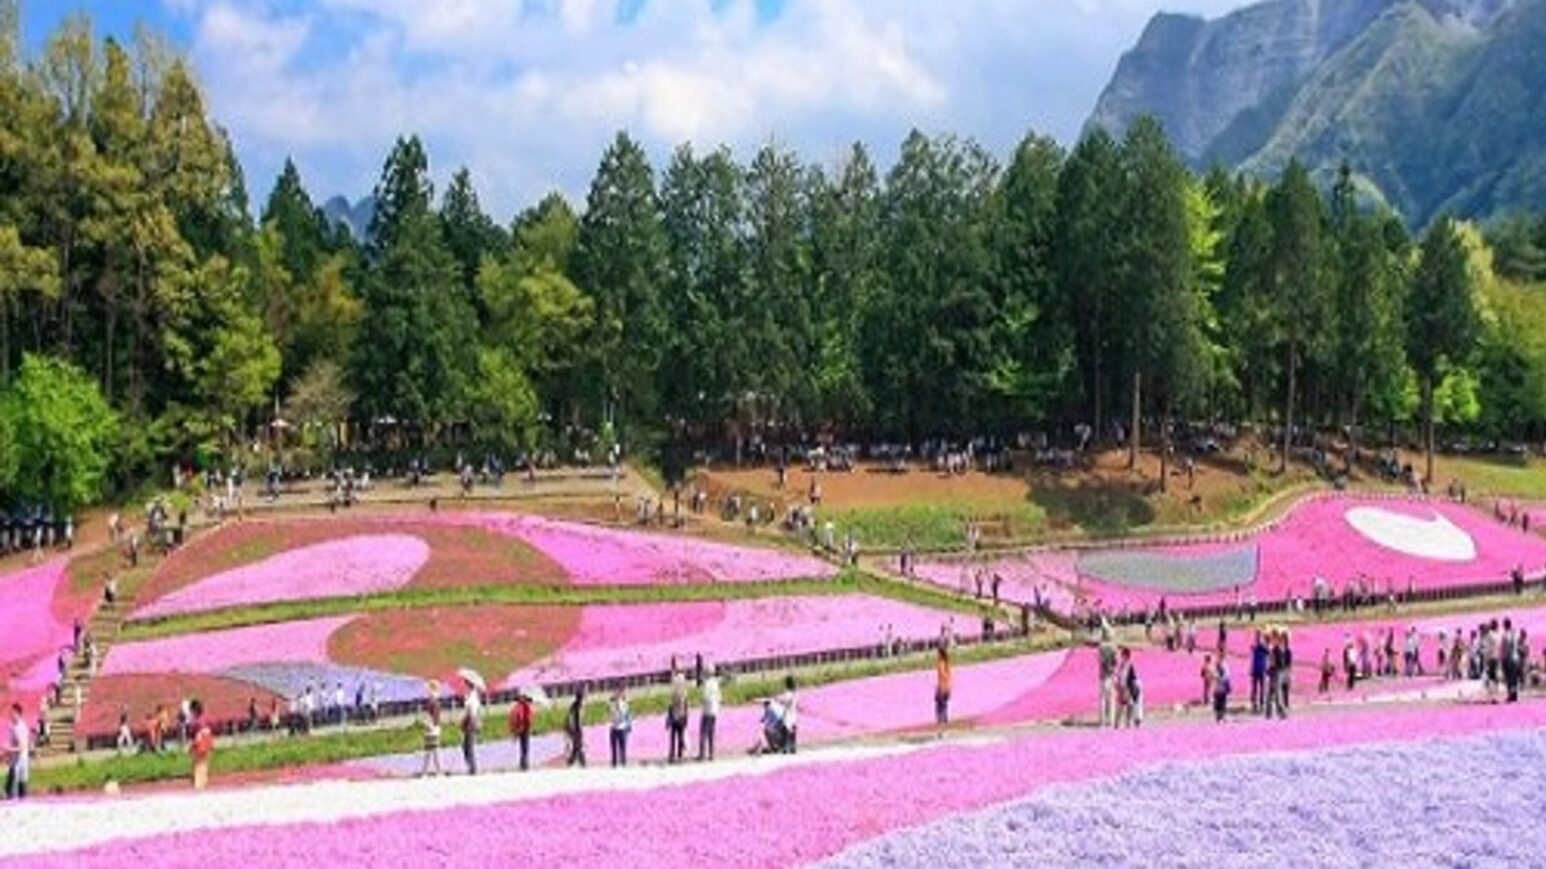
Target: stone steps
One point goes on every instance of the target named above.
(106, 621)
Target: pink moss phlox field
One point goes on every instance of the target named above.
(865, 707)
(1053, 572)
(750, 628)
(338, 568)
(30, 633)
(211, 652)
(1315, 539)
(603, 556)
(787, 817)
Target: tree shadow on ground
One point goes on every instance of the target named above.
(1094, 506)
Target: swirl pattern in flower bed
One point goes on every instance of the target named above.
(458, 555)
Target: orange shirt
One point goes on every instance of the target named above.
(942, 675)
(203, 743)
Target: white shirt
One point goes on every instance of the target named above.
(786, 702)
(711, 696)
(21, 746)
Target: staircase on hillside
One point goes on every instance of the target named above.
(104, 626)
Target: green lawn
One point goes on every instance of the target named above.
(1492, 475)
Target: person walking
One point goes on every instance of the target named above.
(203, 747)
(1259, 656)
(472, 722)
(622, 724)
(707, 723)
(574, 728)
(431, 724)
(1220, 691)
(18, 756)
(1275, 673)
(520, 726)
(1131, 687)
(676, 718)
(1108, 679)
(942, 685)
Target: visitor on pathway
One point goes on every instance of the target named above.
(789, 723)
(712, 699)
(1279, 666)
(622, 725)
(676, 718)
(1129, 691)
(1221, 691)
(942, 684)
(1508, 653)
(520, 726)
(203, 747)
(574, 728)
(1258, 671)
(1108, 679)
(472, 715)
(125, 741)
(18, 756)
(1208, 673)
(431, 724)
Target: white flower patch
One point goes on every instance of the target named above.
(1436, 539)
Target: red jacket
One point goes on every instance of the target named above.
(520, 718)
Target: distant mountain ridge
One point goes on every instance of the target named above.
(1437, 105)
(355, 217)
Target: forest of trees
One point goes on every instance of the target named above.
(951, 295)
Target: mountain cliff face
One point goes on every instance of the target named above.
(1436, 104)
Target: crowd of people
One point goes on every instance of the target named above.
(35, 529)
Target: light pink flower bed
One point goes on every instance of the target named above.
(338, 568)
(30, 633)
(865, 707)
(604, 556)
(216, 651)
(620, 639)
(1054, 572)
(787, 817)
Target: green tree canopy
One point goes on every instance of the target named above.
(61, 435)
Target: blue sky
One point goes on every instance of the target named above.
(526, 93)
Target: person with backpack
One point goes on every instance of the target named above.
(203, 746)
(520, 726)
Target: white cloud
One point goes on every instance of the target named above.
(527, 93)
